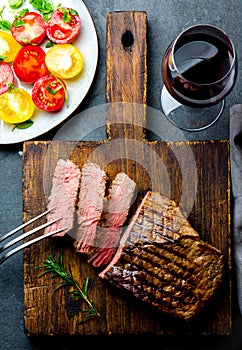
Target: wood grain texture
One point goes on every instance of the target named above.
(194, 174)
(126, 78)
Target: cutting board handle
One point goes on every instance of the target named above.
(126, 75)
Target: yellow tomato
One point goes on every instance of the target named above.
(16, 106)
(64, 61)
(9, 47)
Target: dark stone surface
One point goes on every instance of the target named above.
(165, 20)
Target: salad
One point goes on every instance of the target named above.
(37, 49)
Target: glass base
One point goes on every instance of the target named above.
(189, 118)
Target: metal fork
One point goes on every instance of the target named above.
(24, 235)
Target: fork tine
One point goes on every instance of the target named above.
(2, 238)
(24, 235)
(14, 251)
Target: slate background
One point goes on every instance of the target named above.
(165, 20)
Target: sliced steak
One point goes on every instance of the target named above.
(116, 209)
(162, 261)
(90, 205)
(62, 199)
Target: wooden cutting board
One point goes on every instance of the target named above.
(157, 166)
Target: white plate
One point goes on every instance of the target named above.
(77, 88)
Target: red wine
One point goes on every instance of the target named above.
(202, 72)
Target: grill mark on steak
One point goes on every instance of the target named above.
(163, 235)
(168, 221)
(164, 289)
(177, 275)
(151, 259)
(159, 222)
(164, 255)
(62, 199)
(179, 294)
(163, 296)
(166, 296)
(116, 209)
(159, 208)
(90, 205)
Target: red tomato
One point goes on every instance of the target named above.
(6, 77)
(29, 29)
(29, 64)
(48, 93)
(64, 25)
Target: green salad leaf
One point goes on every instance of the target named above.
(14, 4)
(46, 7)
(4, 24)
(23, 125)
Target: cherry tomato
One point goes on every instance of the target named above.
(16, 106)
(64, 61)
(6, 77)
(29, 64)
(64, 25)
(48, 93)
(29, 29)
(9, 47)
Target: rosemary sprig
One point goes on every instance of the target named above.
(55, 266)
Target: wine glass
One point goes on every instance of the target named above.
(199, 70)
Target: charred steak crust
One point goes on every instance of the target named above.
(175, 277)
(163, 262)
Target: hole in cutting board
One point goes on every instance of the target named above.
(127, 40)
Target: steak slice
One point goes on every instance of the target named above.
(62, 199)
(163, 262)
(90, 205)
(117, 208)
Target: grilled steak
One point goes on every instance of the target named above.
(62, 199)
(90, 205)
(162, 261)
(116, 211)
